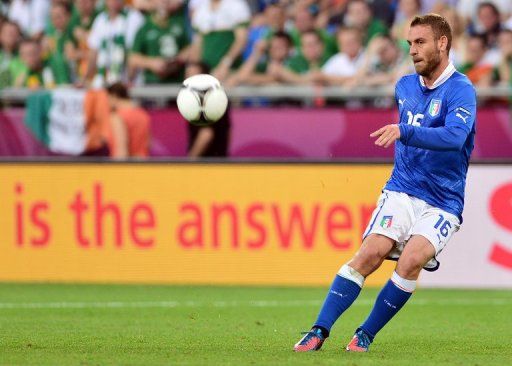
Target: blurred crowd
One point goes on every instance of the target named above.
(44, 43)
(106, 46)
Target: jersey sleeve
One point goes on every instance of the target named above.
(462, 108)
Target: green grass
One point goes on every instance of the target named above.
(167, 325)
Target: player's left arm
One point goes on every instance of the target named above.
(451, 137)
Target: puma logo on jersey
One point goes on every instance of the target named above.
(461, 117)
(401, 102)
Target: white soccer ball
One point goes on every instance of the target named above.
(202, 100)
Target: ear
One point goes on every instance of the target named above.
(442, 43)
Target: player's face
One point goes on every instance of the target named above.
(425, 50)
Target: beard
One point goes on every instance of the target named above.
(431, 62)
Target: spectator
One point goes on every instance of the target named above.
(212, 140)
(488, 24)
(221, 34)
(112, 34)
(477, 67)
(304, 21)
(160, 46)
(437, 6)
(359, 15)
(35, 73)
(459, 37)
(384, 10)
(384, 63)
(304, 67)
(81, 24)
(505, 66)
(129, 125)
(330, 16)
(468, 9)
(144, 6)
(266, 55)
(59, 44)
(408, 9)
(10, 64)
(342, 68)
(263, 27)
(31, 16)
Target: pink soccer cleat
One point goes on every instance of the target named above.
(360, 342)
(312, 341)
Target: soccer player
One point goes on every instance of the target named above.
(421, 204)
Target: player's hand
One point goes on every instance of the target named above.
(387, 135)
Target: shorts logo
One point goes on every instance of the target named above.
(386, 221)
(435, 107)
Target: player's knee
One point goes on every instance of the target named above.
(366, 260)
(410, 265)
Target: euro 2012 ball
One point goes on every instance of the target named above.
(202, 100)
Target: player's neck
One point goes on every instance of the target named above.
(434, 75)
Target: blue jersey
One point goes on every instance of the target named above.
(437, 131)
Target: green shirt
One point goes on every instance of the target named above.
(10, 67)
(48, 76)
(216, 45)
(300, 65)
(76, 20)
(262, 65)
(375, 28)
(166, 41)
(56, 59)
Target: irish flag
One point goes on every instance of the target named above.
(67, 120)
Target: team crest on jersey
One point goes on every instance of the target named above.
(435, 107)
(386, 221)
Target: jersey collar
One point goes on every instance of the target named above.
(450, 69)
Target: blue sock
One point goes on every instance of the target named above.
(390, 300)
(342, 294)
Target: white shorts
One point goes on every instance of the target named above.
(400, 216)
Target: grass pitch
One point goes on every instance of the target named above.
(166, 325)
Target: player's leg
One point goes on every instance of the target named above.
(395, 293)
(429, 236)
(345, 288)
(389, 221)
